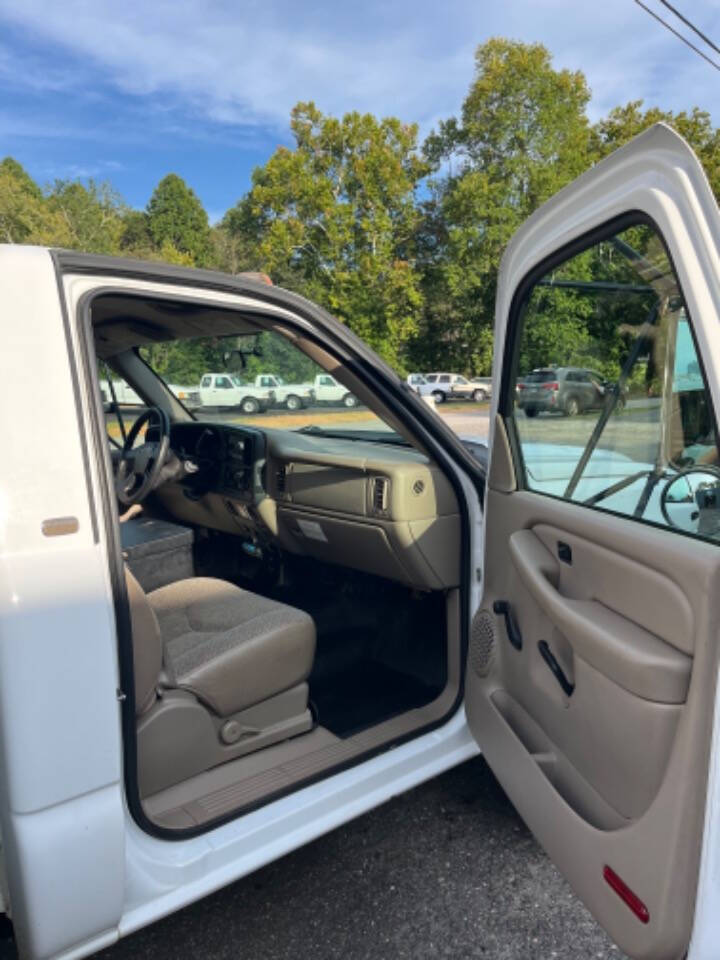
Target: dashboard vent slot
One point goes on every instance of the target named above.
(281, 480)
(380, 494)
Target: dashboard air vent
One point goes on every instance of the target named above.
(281, 480)
(380, 494)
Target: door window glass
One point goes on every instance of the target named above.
(223, 383)
(608, 401)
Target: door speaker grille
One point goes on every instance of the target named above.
(482, 642)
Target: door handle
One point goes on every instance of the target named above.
(555, 668)
(623, 651)
(502, 609)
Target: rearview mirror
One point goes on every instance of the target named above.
(239, 349)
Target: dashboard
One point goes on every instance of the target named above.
(221, 459)
(381, 508)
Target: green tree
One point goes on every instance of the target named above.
(624, 123)
(135, 236)
(176, 217)
(335, 219)
(523, 133)
(25, 216)
(92, 214)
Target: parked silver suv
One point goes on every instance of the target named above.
(566, 390)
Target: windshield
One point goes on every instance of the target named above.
(311, 400)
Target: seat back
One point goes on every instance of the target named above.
(147, 645)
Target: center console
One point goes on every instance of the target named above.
(157, 552)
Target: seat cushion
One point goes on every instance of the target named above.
(230, 647)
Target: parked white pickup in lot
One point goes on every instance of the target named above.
(226, 391)
(328, 390)
(294, 396)
(125, 394)
(559, 611)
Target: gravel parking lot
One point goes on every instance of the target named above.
(448, 870)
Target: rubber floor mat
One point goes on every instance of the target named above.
(366, 694)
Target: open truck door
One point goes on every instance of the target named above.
(593, 660)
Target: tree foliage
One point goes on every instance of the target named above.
(25, 216)
(400, 241)
(91, 215)
(624, 123)
(336, 218)
(175, 217)
(522, 134)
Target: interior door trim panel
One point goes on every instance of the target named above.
(614, 774)
(639, 661)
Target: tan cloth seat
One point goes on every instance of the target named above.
(229, 647)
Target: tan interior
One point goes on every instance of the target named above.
(614, 773)
(411, 536)
(206, 728)
(259, 776)
(219, 672)
(225, 678)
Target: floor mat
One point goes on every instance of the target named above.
(364, 695)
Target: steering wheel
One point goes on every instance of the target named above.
(703, 469)
(139, 467)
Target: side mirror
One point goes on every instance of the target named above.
(690, 501)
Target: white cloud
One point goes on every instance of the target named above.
(245, 65)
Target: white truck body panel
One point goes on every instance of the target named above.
(328, 390)
(124, 393)
(656, 174)
(61, 798)
(226, 390)
(81, 873)
(294, 395)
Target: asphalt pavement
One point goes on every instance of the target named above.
(445, 871)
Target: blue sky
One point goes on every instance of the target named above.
(128, 91)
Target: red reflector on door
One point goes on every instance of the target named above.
(626, 894)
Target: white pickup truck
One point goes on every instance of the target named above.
(328, 391)
(559, 613)
(294, 396)
(228, 391)
(125, 394)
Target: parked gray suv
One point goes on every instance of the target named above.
(566, 390)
